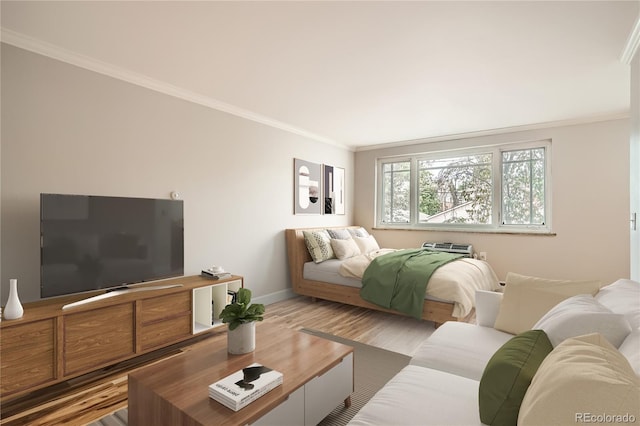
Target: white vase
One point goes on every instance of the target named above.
(242, 340)
(13, 308)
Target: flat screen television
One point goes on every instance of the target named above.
(90, 242)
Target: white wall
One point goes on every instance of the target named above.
(634, 164)
(590, 205)
(68, 130)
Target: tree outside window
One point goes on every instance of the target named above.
(455, 190)
(523, 187)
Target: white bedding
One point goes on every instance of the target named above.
(456, 281)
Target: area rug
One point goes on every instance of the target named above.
(373, 367)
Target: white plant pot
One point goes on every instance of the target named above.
(242, 340)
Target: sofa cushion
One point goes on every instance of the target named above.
(581, 376)
(508, 375)
(622, 297)
(487, 307)
(460, 348)
(582, 314)
(319, 245)
(630, 349)
(422, 396)
(527, 299)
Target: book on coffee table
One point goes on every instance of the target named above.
(245, 386)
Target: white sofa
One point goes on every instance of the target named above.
(440, 386)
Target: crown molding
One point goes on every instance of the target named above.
(498, 131)
(43, 48)
(631, 47)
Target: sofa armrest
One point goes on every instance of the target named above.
(487, 307)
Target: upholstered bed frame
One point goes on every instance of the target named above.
(436, 311)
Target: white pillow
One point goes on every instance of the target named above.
(526, 299)
(630, 349)
(622, 297)
(487, 307)
(344, 249)
(583, 376)
(582, 314)
(366, 244)
(358, 232)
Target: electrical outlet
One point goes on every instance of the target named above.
(483, 255)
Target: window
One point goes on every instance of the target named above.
(397, 191)
(492, 188)
(523, 187)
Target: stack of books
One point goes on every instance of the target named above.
(245, 386)
(208, 273)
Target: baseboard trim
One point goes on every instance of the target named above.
(278, 296)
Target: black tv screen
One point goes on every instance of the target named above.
(92, 242)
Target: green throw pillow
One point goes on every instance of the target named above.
(508, 374)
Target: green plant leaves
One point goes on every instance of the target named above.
(242, 311)
(243, 296)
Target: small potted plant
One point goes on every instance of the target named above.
(241, 316)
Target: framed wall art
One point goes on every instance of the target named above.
(333, 185)
(307, 187)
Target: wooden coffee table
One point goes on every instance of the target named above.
(318, 377)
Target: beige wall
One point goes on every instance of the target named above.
(68, 130)
(590, 205)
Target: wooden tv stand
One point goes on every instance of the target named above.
(49, 345)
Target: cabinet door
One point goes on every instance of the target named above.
(164, 320)
(289, 413)
(163, 333)
(97, 338)
(28, 356)
(324, 393)
(165, 307)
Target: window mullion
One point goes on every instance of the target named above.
(496, 168)
(531, 186)
(413, 193)
(392, 205)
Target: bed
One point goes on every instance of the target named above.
(449, 296)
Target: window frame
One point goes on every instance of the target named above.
(496, 225)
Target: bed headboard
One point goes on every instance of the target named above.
(297, 252)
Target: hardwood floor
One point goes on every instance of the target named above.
(89, 398)
(396, 333)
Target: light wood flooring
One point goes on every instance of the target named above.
(89, 398)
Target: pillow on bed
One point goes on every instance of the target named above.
(366, 244)
(339, 234)
(319, 245)
(344, 249)
(358, 232)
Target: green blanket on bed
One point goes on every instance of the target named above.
(398, 280)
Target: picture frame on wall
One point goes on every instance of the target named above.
(307, 181)
(333, 185)
(339, 183)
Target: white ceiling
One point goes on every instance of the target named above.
(353, 73)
